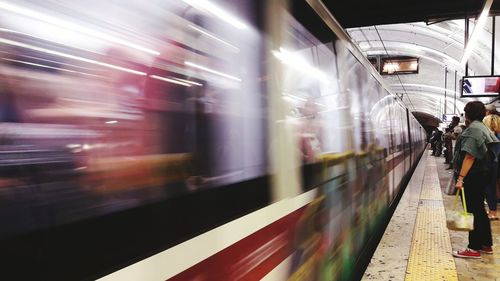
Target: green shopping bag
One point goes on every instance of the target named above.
(460, 220)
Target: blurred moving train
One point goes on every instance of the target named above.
(192, 140)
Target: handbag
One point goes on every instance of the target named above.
(460, 220)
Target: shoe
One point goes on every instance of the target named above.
(467, 253)
(493, 217)
(486, 250)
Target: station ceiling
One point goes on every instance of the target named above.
(433, 31)
(377, 12)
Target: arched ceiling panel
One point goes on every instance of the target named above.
(439, 47)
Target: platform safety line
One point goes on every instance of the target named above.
(430, 254)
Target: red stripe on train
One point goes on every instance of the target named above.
(250, 258)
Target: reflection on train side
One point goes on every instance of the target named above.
(100, 114)
(108, 107)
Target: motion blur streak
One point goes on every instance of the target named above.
(170, 80)
(188, 81)
(212, 71)
(19, 44)
(50, 67)
(214, 37)
(215, 10)
(72, 26)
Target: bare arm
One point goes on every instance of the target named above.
(466, 165)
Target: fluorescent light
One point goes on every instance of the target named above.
(299, 64)
(72, 26)
(471, 44)
(169, 80)
(111, 122)
(217, 11)
(64, 55)
(212, 71)
(214, 37)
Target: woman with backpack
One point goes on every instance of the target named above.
(473, 157)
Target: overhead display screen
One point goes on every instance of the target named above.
(480, 86)
(399, 65)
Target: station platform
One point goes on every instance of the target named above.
(417, 245)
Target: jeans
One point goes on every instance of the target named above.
(475, 185)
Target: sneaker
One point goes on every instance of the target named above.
(486, 250)
(467, 253)
(493, 218)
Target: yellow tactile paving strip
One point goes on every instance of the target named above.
(430, 254)
(430, 194)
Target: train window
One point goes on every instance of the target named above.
(361, 90)
(317, 107)
(381, 118)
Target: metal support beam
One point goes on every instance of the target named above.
(455, 97)
(445, 87)
(474, 37)
(493, 45)
(466, 40)
(439, 109)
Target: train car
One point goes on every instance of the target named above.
(193, 140)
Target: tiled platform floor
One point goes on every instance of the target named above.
(397, 259)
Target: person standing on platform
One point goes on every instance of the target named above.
(449, 141)
(491, 109)
(436, 142)
(492, 121)
(472, 160)
(448, 147)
